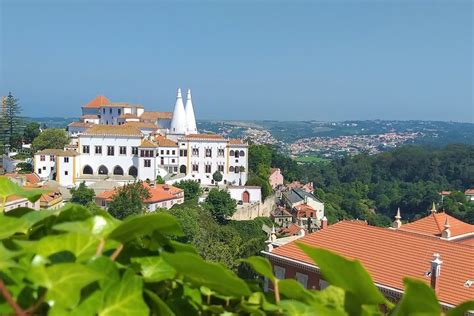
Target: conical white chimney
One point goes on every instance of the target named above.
(178, 121)
(190, 118)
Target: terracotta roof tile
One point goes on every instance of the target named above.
(165, 142)
(142, 125)
(113, 130)
(80, 124)
(390, 255)
(150, 115)
(469, 191)
(158, 193)
(433, 224)
(58, 152)
(304, 210)
(147, 144)
(204, 137)
(97, 102)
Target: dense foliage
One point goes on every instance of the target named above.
(220, 204)
(70, 261)
(53, 138)
(191, 188)
(10, 122)
(82, 194)
(409, 177)
(31, 131)
(129, 200)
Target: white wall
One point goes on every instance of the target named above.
(45, 168)
(255, 193)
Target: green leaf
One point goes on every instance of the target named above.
(159, 307)
(63, 281)
(418, 298)
(8, 188)
(211, 275)
(296, 308)
(349, 275)
(261, 266)
(12, 225)
(294, 290)
(461, 309)
(90, 306)
(146, 224)
(37, 216)
(80, 245)
(125, 297)
(107, 268)
(97, 225)
(154, 269)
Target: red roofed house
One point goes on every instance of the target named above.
(161, 196)
(469, 193)
(389, 255)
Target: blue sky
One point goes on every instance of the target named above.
(293, 60)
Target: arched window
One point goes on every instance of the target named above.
(236, 154)
(118, 171)
(231, 169)
(242, 153)
(103, 170)
(87, 170)
(132, 171)
(231, 152)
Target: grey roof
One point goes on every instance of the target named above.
(298, 195)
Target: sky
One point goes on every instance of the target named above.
(243, 60)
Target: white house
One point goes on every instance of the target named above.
(245, 194)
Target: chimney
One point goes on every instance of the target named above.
(397, 223)
(446, 232)
(433, 208)
(435, 272)
(166, 187)
(324, 222)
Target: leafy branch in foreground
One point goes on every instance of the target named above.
(71, 261)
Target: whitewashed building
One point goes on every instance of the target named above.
(246, 194)
(129, 143)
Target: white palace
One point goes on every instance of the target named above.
(123, 142)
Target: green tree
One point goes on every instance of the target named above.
(82, 195)
(159, 180)
(129, 200)
(11, 121)
(220, 204)
(192, 189)
(53, 138)
(31, 131)
(262, 183)
(188, 215)
(217, 177)
(24, 167)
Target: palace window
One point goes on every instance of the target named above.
(195, 152)
(242, 153)
(66, 173)
(147, 163)
(220, 153)
(173, 160)
(135, 151)
(173, 152)
(110, 111)
(110, 151)
(123, 150)
(196, 168)
(119, 111)
(162, 152)
(220, 168)
(231, 152)
(208, 152)
(231, 169)
(85, 149)
(52, 158)
(162, 161)
(103, 111)
(208, 169)
(167, 152)
(183, 152)
(39, 170)
(66, 159)
(42, 158)
(98, 150)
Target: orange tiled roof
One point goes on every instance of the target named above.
(236, 141)
(204, 136)
(390, 255)
(304, 210)
(128, 115)
(48, 197)
(157, 194)
(292, 230)
(89, 116)
(433, 224)
(31, 178)
(469, 192)
(97, 102)
(58, 152)
(141, 125)
(80, 124)
(147, 144)
(113, 130)
(151, 115)
(165, 142)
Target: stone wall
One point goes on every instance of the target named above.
(250, 211)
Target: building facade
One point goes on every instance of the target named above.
(129, 143)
